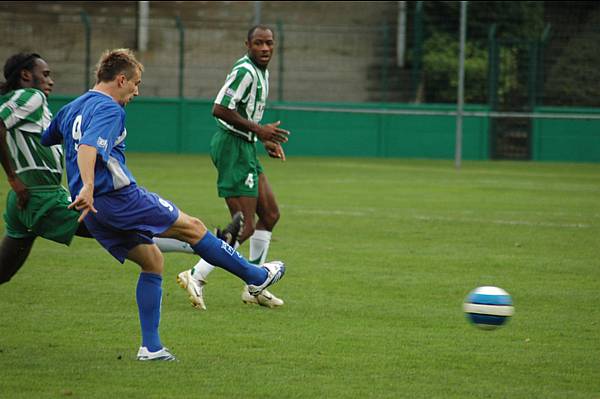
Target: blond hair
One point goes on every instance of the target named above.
(115, 62)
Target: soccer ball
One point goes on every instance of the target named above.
(488, 307)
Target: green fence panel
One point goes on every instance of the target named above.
(198, 126)
(186, 126)
(56, 102)
(153, 125)
(381, 135)
(328, 133)
(421, 136)
(572, 140)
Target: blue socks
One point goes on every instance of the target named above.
(219, 253)
(149, 297)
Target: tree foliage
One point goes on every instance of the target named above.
(516, 23)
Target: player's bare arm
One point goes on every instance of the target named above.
(269, 132)
(86, 160)
(15, 183)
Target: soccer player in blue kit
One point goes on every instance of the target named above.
(122, 216)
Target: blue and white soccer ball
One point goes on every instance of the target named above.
(488, 307)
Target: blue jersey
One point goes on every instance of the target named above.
(93, 119)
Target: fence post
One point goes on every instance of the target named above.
(417, 49)
(181, 29)
(543, 42)
(181, 103)
(493, 73)
(281, 60)
(492, 68)
(384, 64)
(532, 74)
(88, 40)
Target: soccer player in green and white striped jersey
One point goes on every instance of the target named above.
(37, 204)
(239, 108)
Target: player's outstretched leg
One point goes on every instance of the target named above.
(194, 279)
(218, 252)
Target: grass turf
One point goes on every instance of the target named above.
(380, 254)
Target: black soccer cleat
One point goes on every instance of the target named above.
(233, 231)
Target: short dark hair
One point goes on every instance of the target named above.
(254, 28)
(12, 70)
(114, 62)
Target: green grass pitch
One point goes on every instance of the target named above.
(380, 254)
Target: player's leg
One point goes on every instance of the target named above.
(193, 280)
(149, 297)
(13, 253)
(17, 243)
(268, 216)
(246, 206)
(172, 245)
(233, 158)
(219, 253)
(260, 240)
(214, 250)
(229, 234)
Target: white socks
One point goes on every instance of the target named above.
(259, 246)
(172, 245)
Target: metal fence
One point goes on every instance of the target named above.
(519, 55)
(540, 53)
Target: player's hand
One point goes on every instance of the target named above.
(274, 150)
(84, 202)
(21, 190)
(271, 132)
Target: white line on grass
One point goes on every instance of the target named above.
(370, 212)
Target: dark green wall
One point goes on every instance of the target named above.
(573, 140)
(381, 135)
(186, 126)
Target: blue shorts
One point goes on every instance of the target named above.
(129, 217)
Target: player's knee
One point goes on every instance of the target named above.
(195, 230)
(155, 264)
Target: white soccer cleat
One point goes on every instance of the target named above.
(275, 271)
(163, 354)
(194, 287)
(265, 298)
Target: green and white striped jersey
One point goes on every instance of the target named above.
(25, 114)
(245, 91)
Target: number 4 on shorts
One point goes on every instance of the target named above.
(249, 180)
